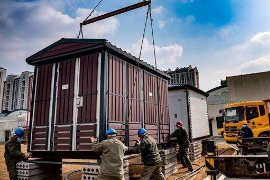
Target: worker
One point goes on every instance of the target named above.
(112, 150)
(247, 132)
(182, 139)
(147, 146)
(13, 153)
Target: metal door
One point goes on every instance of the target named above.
(135, 99)
(86, 124)
(116, 115)
(41, 109)
(63, 130)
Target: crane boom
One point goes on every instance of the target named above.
(114, 13)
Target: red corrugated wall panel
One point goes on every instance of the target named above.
(116, 96)
(134, 102)
(64, 101)
(163, 111)
(151, 104)
(42, 107)
(86, 118)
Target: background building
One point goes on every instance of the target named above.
(249, 87)
(182, 76)
(218, 99)
(21, 90)
(2, 80)
(8, 92)
(16, 91)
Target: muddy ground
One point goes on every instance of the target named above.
(134, 169)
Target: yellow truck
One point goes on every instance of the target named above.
(254, 113)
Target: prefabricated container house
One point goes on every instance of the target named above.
(82, 87)
(188, 104)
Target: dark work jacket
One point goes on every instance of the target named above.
(182, 136)
(13, 152)
(247, 132)
(149, 151)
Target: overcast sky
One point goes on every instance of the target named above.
(220, 37)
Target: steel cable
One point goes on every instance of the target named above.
(81, 31)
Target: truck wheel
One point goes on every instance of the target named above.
(263, 135)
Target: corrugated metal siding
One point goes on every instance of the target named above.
(42, 107)
(163, 110)
(116, 96)
(64, 101)
(86, 118)
(135, 100)
(151, 104)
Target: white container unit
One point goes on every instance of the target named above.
(188, 104)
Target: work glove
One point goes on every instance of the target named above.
(93, 139)
(138, 142)
(27, 155)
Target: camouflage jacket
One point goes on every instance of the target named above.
(112, 156)
(13, 151)
(149, 151)
(182, 136)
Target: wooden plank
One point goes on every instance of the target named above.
(41, 135)
(83, 140)
(83, 147)
(62, 147)
(86, 134)
(61, 128)
(39, 129)
(39, 147)
(62, 141)
(67, 134)
(39, 141)
(86, 127)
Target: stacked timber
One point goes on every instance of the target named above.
(91, 172)
(169, 161)
(34, 171)
(195, 151)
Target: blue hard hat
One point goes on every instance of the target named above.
(141, 131)
(19, 132)
(110, 131)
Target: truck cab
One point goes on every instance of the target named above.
(254, 113)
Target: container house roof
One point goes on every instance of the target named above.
(187, 86)
(72, 47)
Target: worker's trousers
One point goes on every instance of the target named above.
(11, 168)
(183, 155)
(155, 170)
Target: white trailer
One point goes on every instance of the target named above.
(188, 104)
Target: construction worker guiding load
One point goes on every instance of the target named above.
(13, 153)
(253, 113)
(182, 139)
(113, 151)
(147, 146)
(113, 155)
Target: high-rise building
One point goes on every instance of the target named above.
(8, 92)
(183, 76)
(2, 82)
(16, 91)
(22, 89)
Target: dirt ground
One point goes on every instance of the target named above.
(134, 169)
